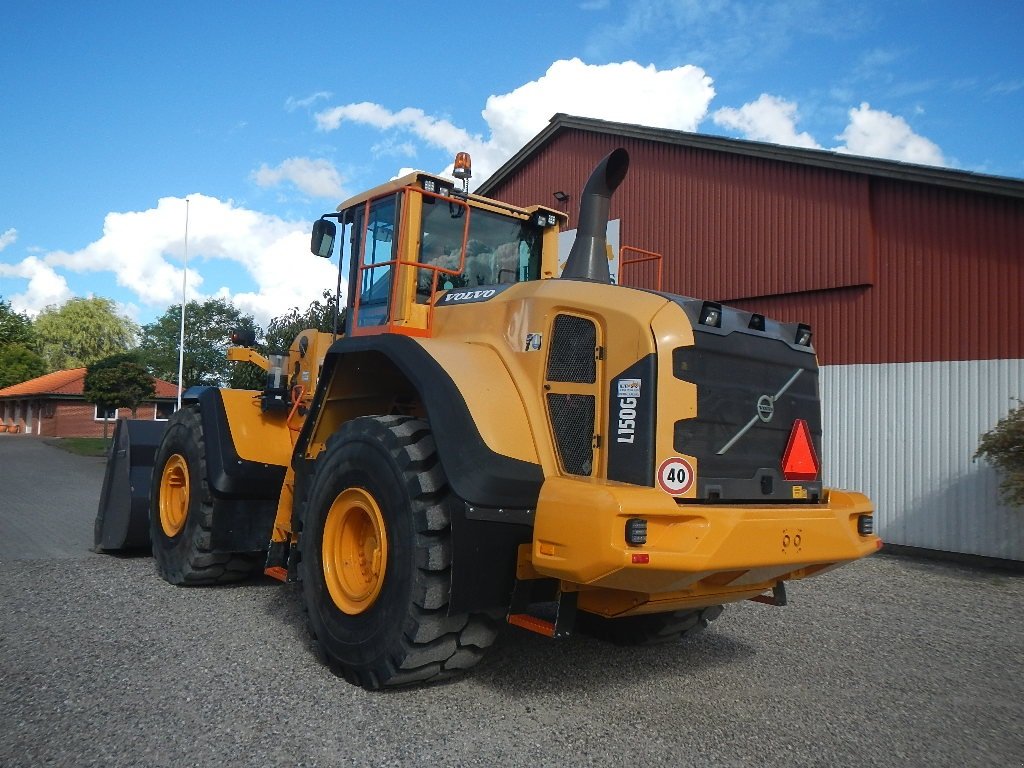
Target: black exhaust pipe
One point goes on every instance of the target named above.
(588, 259)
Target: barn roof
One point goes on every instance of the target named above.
(839, 161)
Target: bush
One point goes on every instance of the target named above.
(1003, 446)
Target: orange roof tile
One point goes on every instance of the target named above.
(70, 382)
(165, 388)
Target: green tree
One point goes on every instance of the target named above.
(208, 327)
(18, 363)
(81, 331)
(1003, 446)
(15, 327)
(282, 330)
(118, 381)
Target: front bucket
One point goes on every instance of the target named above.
(122, 520)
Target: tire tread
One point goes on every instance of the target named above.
(433, 645)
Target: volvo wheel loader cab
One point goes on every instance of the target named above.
(487, 442)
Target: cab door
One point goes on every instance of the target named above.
(375, 234)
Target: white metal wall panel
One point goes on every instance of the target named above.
(904, 434)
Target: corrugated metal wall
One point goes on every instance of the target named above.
(905, 435)
(884, 270)
(729, 226)
(949, 282)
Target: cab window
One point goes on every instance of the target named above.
(499, 249)
(374, 278)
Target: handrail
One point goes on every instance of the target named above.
(647, 256)
(296, 401)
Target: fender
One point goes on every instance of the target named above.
(245, 493)
(477, 474)
(229, 475)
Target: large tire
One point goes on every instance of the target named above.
(181, 511)
(648, 629)
(376, 556)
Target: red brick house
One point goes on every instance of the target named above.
(54, 406)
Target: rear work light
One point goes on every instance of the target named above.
(865, 525)
(803, 335)
(711, 314)
(800, 462)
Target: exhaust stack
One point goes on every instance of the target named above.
(588, 258)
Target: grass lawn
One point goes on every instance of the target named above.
(83, 446)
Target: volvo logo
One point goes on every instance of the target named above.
(765, 411)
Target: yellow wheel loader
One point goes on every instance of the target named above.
(490, 439)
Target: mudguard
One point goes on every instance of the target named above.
(478, 475)
(122, 519)
(229, 475)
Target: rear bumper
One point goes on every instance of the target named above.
(579, 537)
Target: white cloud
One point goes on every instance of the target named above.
(870, 132)
(737, 35)
(877, 133)
(291, 103)
(144, 252)
(437, 132)
(628, 92)
(875, 60)
(1006, 87)
(674, 98)
(392, 148)
(45, 286)
(8, 238)
(317, 178)
(770, 118)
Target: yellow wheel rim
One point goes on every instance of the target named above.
(355, 550)
(174, 495)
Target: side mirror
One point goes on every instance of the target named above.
(322, 242)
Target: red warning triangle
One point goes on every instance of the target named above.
(799, 462)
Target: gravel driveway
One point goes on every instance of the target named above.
(889, 661)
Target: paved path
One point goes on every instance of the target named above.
(48, 499)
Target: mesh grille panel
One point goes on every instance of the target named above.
(573, 344)
(572, 419)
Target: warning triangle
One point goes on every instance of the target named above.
(799, 462)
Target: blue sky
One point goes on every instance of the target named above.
(265, 115)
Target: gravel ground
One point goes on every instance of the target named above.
(889, 661)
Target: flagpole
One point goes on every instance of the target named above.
(184, 282)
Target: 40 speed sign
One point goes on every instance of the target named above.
(675, 476)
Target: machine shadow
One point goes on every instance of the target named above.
(522, 663)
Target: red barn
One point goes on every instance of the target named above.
(912, 278)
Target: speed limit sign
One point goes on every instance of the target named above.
(675, 476)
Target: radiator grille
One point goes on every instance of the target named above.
(572, 353)
(572, 420)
